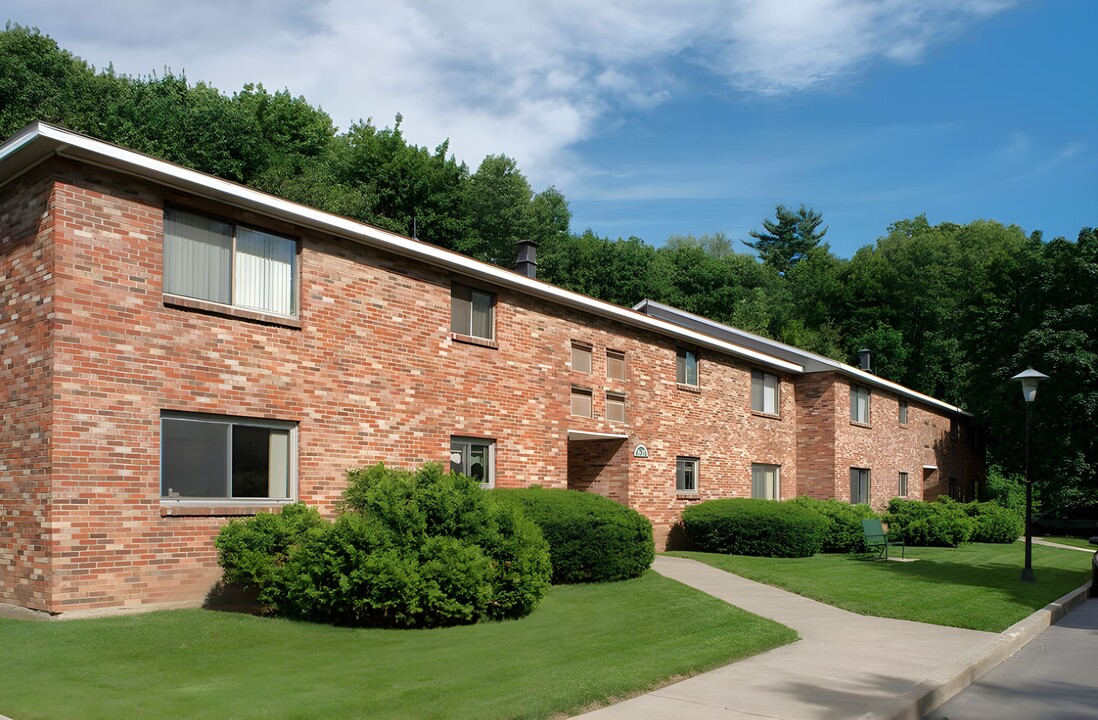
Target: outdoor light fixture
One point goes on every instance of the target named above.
(1029, 379)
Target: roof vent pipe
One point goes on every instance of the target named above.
(527, 262)
(863, 360)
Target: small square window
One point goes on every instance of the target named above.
(902, 490)
(581, 358)
(859, 404)
(615, 365)
(472, 312)
(686, 475)
(581, 402)
(766, 482)
(859, 485)
(903, 412)
(615, 407)
(764, 392)
(475, 457)
(686, 367)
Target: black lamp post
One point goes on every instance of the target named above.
(1029, 378)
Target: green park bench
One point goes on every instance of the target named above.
(877, 539)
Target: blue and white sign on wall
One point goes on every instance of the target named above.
(640, 452)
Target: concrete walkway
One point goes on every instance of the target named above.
(845, 665)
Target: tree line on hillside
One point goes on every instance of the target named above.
(950, 310)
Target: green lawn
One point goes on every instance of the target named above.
(584, 645)
(1076, 541)
(974, 586)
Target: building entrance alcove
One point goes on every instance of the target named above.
(599, 463)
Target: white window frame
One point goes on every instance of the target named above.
(460, 444)
(235, 268)
(463, 319)
(860, 485)
(169, 495)
(687, 468)
(582, 358)
(685, 361)
(860, 398)
(763, 487)
(765, 393)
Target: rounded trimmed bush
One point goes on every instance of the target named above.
(843, 528)
(410, 549)
(591, 537)
(743, 526)
(995, 523)
(942, 523)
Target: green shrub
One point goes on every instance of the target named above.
(591, 537)
(843, 523)
(410, 549)
(742, 526)
(995, 523)
(1008, 491)
(943, 523)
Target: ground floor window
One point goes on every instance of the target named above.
(686, 475)
(475, 457)
(766, 481)
(217, 457)
(859, 485)
(902, 490)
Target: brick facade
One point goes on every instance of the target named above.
(94, 352)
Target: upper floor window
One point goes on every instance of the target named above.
(859, 404)
(686, 367)
(615, 365)
(903, 412)
(766, 481)
(581, 358)
(581, 403)
(212, 260)
(764, 392)
(218, 457)
(472, 312)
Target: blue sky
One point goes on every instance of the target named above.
(687, 117)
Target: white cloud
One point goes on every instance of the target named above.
(529, 79)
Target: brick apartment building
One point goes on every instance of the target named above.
(177, 350)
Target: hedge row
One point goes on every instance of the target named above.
(591, 537)
(743, 526)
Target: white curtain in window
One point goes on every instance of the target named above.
(264, 271)
(197, 257)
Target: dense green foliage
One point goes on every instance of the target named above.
(843, 523)
(995, 523)
(412, 549)
(744, 526)
(591, 537)
(950, 310)
(943, 523)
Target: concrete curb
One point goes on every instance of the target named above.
(965, 670)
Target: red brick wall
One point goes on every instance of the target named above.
(370, 373)
(26, 309)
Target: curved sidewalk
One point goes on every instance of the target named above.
(844, 666)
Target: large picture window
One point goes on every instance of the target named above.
(475, 457)
(211, 260)
(764, 392)
(215, 457)
(472, 312)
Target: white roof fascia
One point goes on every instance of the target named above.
(80, 147)
(809, 360)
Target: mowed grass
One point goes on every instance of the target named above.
(585, 645)
(974, 586)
